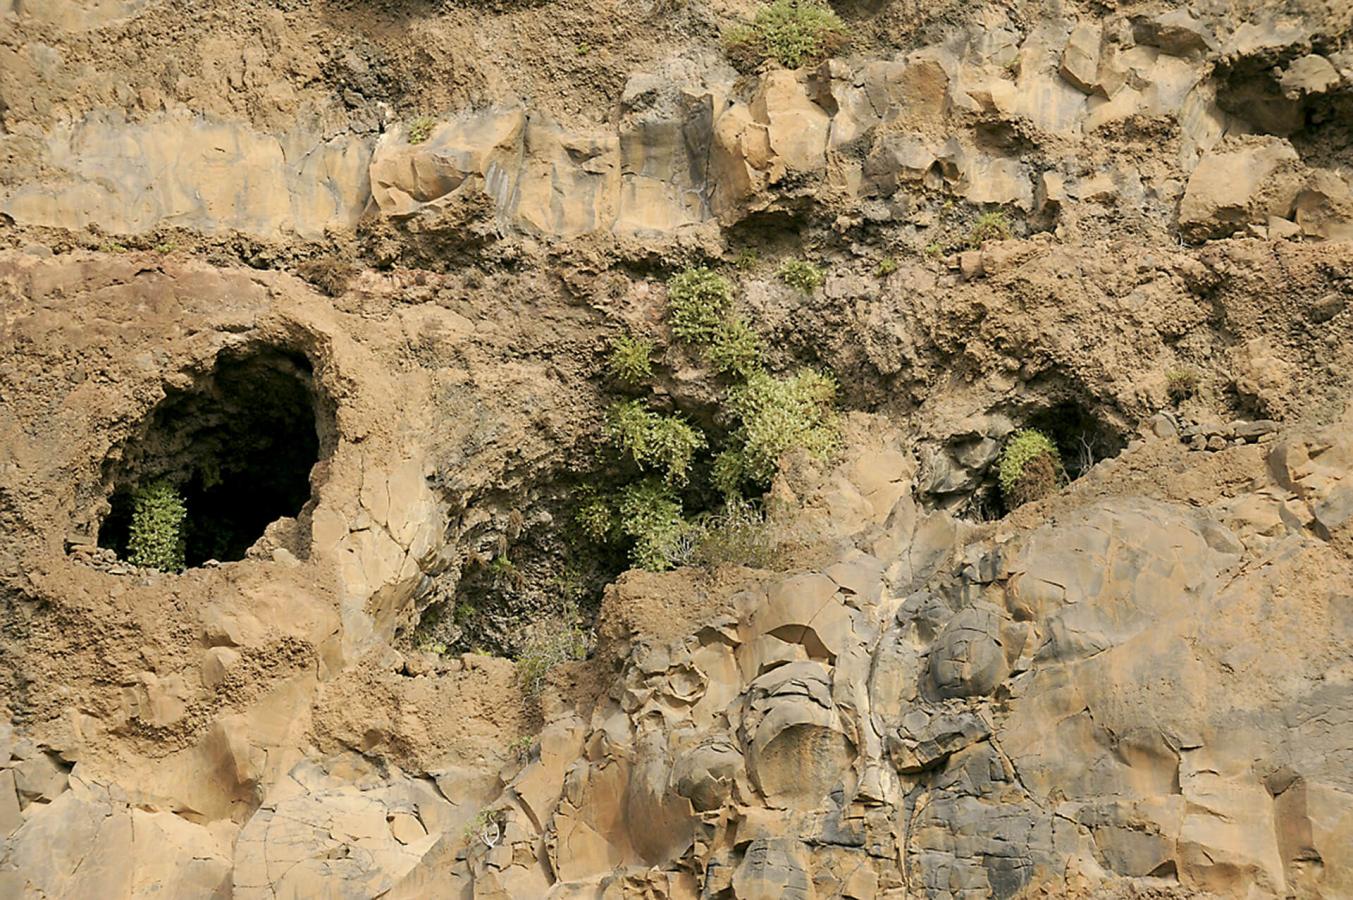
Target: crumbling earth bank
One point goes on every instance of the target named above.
(348, 270)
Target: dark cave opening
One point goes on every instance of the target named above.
(1082, 439)
(238, 444)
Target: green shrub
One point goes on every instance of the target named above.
(746, 259)
(630, 359)
(736, 349)
(596, 518)
(420, 129)
(802, 275)
(1030, 468)
(651, 515)
(1181, 384)
(156, 539)
(886, 267)
(990, 226)
(698, 301)
(776, 415)
(794, 33)
(665, 443)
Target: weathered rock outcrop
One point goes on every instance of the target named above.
(1127, 224)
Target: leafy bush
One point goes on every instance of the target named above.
(667, 443)
(990, 226)
(420, 129)
(631, 359)
(886, 267)
(776, 415)
(650, 514)
(736, 349)
(1030, 467)
(1181, 384)
(597, 520)
(801, 274)
(698, 301)
(156, 539)
(794, 33)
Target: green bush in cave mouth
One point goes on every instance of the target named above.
(1030, 468)
(156, 539)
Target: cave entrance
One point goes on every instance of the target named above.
(1082, 439)
(238, 445)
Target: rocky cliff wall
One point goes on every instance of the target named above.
(407, 231)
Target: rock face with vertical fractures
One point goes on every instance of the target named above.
(383, 247)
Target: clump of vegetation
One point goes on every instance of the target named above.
(736, 349)
(651, 516)
(1181, 384)
(746, 259)
(737, 535)
(1030, 468)
(776, 415)
(486, 826)
(989, 226)
(630, 359)
(330, 273)
(698, 302)
(653, 441)
(156, 536)
(420, 129)
(793, 33)
(802, 275)
(548, 644)
(886, 267)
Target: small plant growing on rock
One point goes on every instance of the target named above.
(746, 259)
(736, 349)
(420, 129)
(330, 273)
(886, 267)
(1030, 468)
(652, 441)
(1181, 384)
(776, 415)
(793, 33)
(156, 538)
(630, 359)
(990, 226)
(738, 535)
(698, 301)
(597, 519)
(487, 827)
(802, 275)
(548, 644)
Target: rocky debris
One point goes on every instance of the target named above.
(1262, 184)
(1219, 436)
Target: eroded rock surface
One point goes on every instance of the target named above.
(1130, 224)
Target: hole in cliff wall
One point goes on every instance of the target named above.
(237, 446)
(1082, 438)
(962, 474)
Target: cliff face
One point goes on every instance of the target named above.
(345, 273)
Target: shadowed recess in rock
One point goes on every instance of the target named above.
(238, 444)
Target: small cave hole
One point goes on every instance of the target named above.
(1081, 438)
(238, 445)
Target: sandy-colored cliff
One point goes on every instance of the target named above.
(346, 273)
